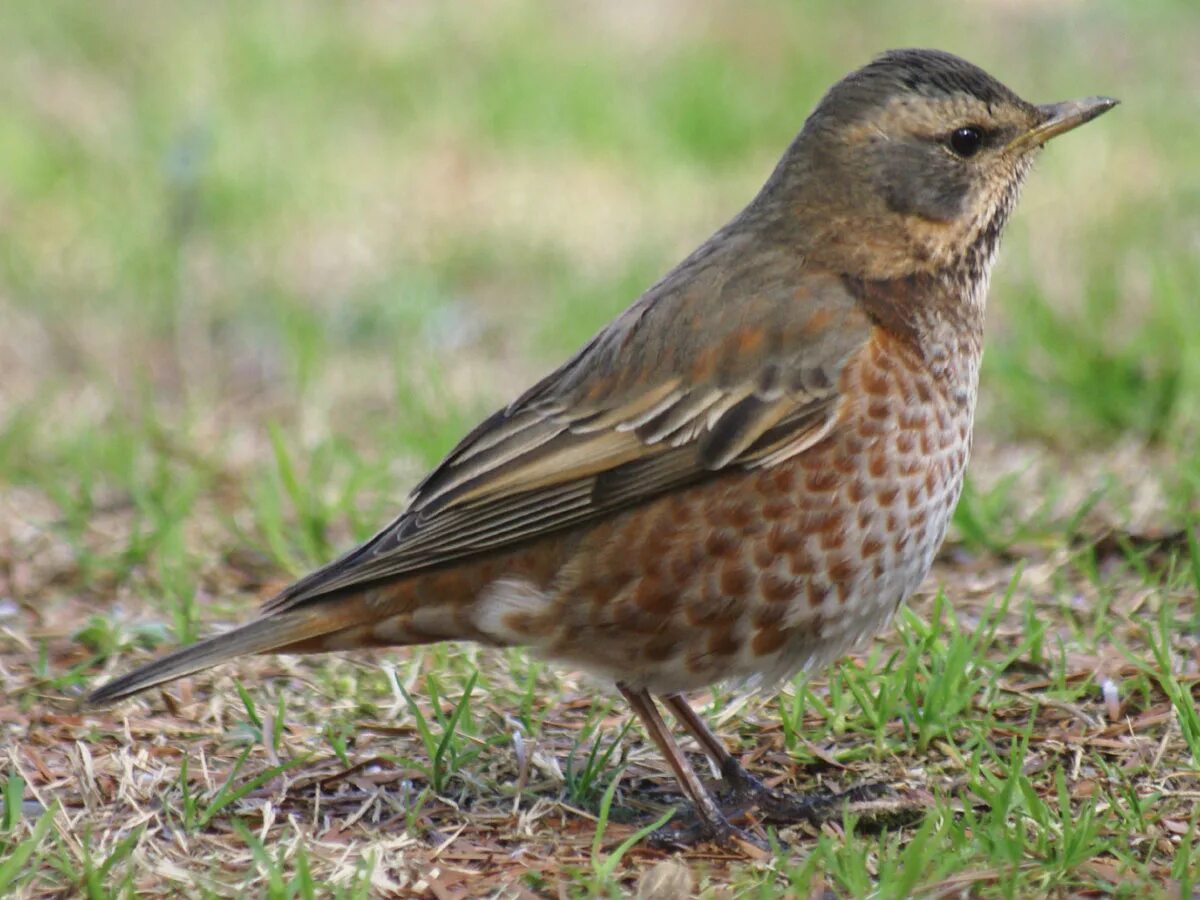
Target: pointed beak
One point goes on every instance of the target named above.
(1057, 118)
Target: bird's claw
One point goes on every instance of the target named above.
(744, 791)
(699, 831)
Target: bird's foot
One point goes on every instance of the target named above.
(697, 829)
(875, 803)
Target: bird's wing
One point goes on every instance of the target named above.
(707, 371)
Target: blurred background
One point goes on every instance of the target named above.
(262, 265)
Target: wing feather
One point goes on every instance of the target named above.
(650, 405)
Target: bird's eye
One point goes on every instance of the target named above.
(966, 141)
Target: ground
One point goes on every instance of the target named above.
(261, 266)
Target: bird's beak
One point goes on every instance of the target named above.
(1059, 117)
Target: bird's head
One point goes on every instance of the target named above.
(914, 161)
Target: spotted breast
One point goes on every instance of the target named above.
(775, 570)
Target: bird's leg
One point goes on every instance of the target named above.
(743, 790)
(711, 822)
(742, 786)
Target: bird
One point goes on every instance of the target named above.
(745, 473)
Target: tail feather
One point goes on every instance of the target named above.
(260, 636)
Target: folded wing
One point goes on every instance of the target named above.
(705, 373)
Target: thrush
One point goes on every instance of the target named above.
(746, 472)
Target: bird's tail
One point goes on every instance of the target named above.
(271, 632)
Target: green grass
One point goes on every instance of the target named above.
(262, 267)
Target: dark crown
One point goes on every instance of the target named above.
(925, 73)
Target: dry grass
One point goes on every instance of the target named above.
(1091, 721)
(253, 285)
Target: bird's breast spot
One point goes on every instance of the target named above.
(514, 611)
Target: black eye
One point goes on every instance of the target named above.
(966, 141)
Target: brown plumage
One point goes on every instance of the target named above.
(749, 469)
